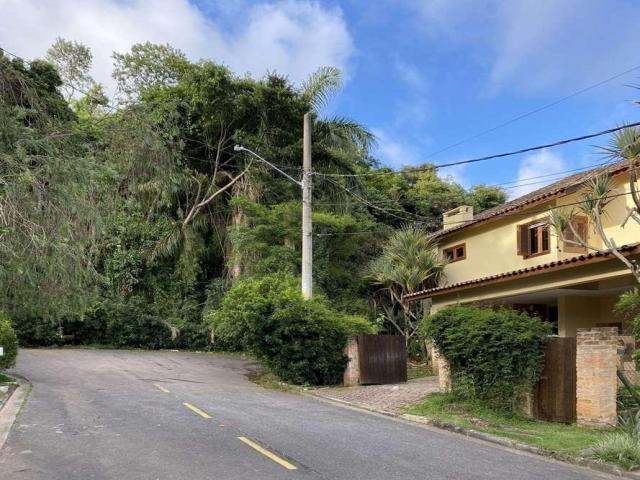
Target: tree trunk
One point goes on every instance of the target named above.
(235, 269)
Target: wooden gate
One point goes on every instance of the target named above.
(555, 393)
(382, 358)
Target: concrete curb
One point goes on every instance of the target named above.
(11, 409)
(607, 468)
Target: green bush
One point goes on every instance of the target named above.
(494, 354)
(33, 331)
(247, 303)
(8, 341)
(302, 341)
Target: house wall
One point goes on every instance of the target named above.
(578, 312)
(491, 248)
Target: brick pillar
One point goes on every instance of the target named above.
(351, 375)
(596, 380)
(444, 372)
(432, 354)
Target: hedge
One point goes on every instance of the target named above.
(494, 354)
(8, 341)
(302, 341)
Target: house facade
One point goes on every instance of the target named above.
(510, 255)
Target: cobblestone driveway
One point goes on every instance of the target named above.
(386, 398)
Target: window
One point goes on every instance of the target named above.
(580, 226)
(456, 253)
(533, 238)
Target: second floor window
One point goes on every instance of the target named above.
(533, 238)
(456, 253)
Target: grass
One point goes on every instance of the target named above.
(5, 378)
(557, 438)
(418, 370)
(266, 379)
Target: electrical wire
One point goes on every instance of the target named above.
(489, 157)
(532, 112)
(526, 212)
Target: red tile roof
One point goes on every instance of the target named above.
(545, 193)
(533, 270)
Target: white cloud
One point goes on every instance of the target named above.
(539, 44)
(544, 162)
(290, 37)
(410, 75)
(455, 173)
(394, 153)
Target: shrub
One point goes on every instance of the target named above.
(245, 304)
(302, 341)
(35, 332)
(620, 447)
(9, 341)
(494, 354)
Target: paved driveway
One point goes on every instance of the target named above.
(98, 414)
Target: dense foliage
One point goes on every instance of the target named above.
(494, 354)
(123, 224)
(301, 341)
(8, 341)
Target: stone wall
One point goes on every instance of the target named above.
(352, 372)
(442, 366)
(596, 380)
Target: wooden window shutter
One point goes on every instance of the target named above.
(581, 226)
(524, 248)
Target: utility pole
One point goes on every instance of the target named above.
(307, 237)
(307, 231)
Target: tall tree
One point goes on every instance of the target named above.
(73, 61)
(49, 214)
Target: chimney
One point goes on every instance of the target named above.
(456, 217)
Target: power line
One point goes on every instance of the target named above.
(376, 207)
(532, 112)
(511, 184)
(489, 157)
(527, 212)
(432, 222)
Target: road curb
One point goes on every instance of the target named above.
(607, 468)
(11, 409)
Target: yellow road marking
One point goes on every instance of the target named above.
(161, 388)
(268, 454)
(196, 410)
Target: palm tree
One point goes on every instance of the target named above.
(338, 133)
(409, 262)
(341, 139)
(625, 145)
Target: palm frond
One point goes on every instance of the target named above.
(321, 86)
(169, 244)
(343, 133)
(410, 261)
(624, 144)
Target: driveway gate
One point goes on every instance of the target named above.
(555, 393)
(382, 358)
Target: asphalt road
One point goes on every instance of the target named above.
(99, 414)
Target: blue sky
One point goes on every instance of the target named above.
(421, 74)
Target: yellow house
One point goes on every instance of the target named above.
(509, 255)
